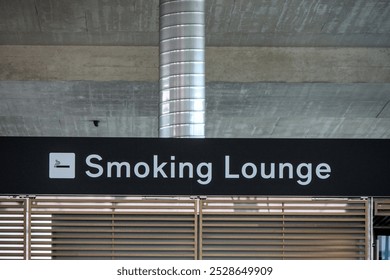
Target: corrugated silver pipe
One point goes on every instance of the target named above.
(182, 69)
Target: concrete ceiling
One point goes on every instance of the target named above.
(325, 71)
(335, 23)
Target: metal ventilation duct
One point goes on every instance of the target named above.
(182, 69)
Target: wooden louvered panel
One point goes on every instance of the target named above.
(283, 229)
(382, 207)
(262, 228)
(12, 229)
(113, 229)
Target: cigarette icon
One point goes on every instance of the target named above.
(59, 165)
(62, 165)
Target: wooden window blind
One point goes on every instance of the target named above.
(274, 228)
(382, 207)
(113, 229)
(13, 229)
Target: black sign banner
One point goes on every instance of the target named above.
(156, 166)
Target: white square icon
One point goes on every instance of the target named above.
(62, 165)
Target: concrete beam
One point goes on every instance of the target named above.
(233, 64)
(330, 65)
(78, 63)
